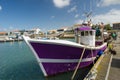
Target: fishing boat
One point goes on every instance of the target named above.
(57, 56)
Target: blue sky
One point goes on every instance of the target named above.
(55, 14)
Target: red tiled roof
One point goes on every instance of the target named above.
(2, 32)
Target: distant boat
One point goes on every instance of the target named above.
(57, 56)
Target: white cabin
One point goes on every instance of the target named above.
(85, 36)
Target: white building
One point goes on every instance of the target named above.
(37, 31)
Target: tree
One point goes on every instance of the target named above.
(107, 27)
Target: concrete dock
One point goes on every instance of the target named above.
(115, 64)
(109, 68)
(102, 69)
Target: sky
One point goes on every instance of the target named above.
(55, 14)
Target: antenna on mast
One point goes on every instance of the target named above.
(88, 13)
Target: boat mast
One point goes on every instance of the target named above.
(88, 14)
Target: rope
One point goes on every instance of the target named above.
(78, 64)
(92, 56)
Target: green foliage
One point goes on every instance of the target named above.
(107, 27)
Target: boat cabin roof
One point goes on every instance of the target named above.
(84, 28)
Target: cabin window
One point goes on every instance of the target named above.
(86, 33)
(82, 33)
(91, 33)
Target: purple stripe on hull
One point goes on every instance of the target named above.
(57, 51)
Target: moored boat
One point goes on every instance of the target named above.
(56, 56)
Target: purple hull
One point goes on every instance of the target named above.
(56, 58)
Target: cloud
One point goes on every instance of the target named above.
(52, 17)
(79, 21)
(11, 28)
(111, 17)
(0, 8)
(77, 15)
(108, 2)
(61, 3)
(74, 8)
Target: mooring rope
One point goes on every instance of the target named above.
(78, 64)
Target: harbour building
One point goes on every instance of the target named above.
(116, 26)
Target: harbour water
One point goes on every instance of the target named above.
(17, 62)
